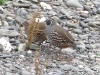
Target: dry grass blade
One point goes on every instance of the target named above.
(32, 29)
(36, 62)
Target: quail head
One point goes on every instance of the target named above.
(58, 36)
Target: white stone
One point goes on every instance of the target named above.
(21, 47)
(5, 44)
(45, 5)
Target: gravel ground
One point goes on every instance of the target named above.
(80, 17)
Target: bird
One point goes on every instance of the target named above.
(58, 36)
(40, 36)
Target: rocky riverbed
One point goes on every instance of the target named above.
(80, 17)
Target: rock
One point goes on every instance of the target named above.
(82, 24)
(2, 16)
(51, 65)
(25, 73)
(77, 17)
(68, 50)
(7, 13)
(21, 5)
(65, 12)
(80, 66)
(73, 3)
(34, 47)
(1, 9)
(96, 68)
(23, 12)
(8, 65)
(57, 19)
(71, 25)
(88, 20)
(52, 13)
(9, 19)
(77, 31)
(22, 47)
(4, 42)
(11, 33)
(45, 6)
(84, 15)
(8, 73)
(94, 23)
(34, 6)
(56, 3)
(5, 23)
(87, 8)
(67, 67)
(55, 71)
(82, 47)
(61, 2)
(20, 20)
(46, 0)
(35, 1)
(88, 70)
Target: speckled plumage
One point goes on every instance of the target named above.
(41, 36)
(59, 36)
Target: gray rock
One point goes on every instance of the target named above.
(86, 30)
(67, 50)
(8, 73)
(34, 47)
(23, 12)
(96, 68)
(77, 31)
(89, 20)
(20, 20)
(56, 3)
(57, 19)
(34, 6)
(94, 24)
(9, 19)
(46, 0)
(65, 12)
(1, 23)
(89, 46)
(55, 72)
(8, 65)
(77, 17)
(51, 65)
(61, 2)
(82, 24)
(67, 67)
(87, 8)
(21, 5)
(2, 16)
(1, 9)
(25, 72)
(89, 71)
(73, 3)
(9, 33)
(81, 47)
(71, 25)
(84, 15)
(5, 23)
(7, 13)
(35, 1)
(52, 13)
(22, 47)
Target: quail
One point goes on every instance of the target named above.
(40, 37)
(58, 36)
